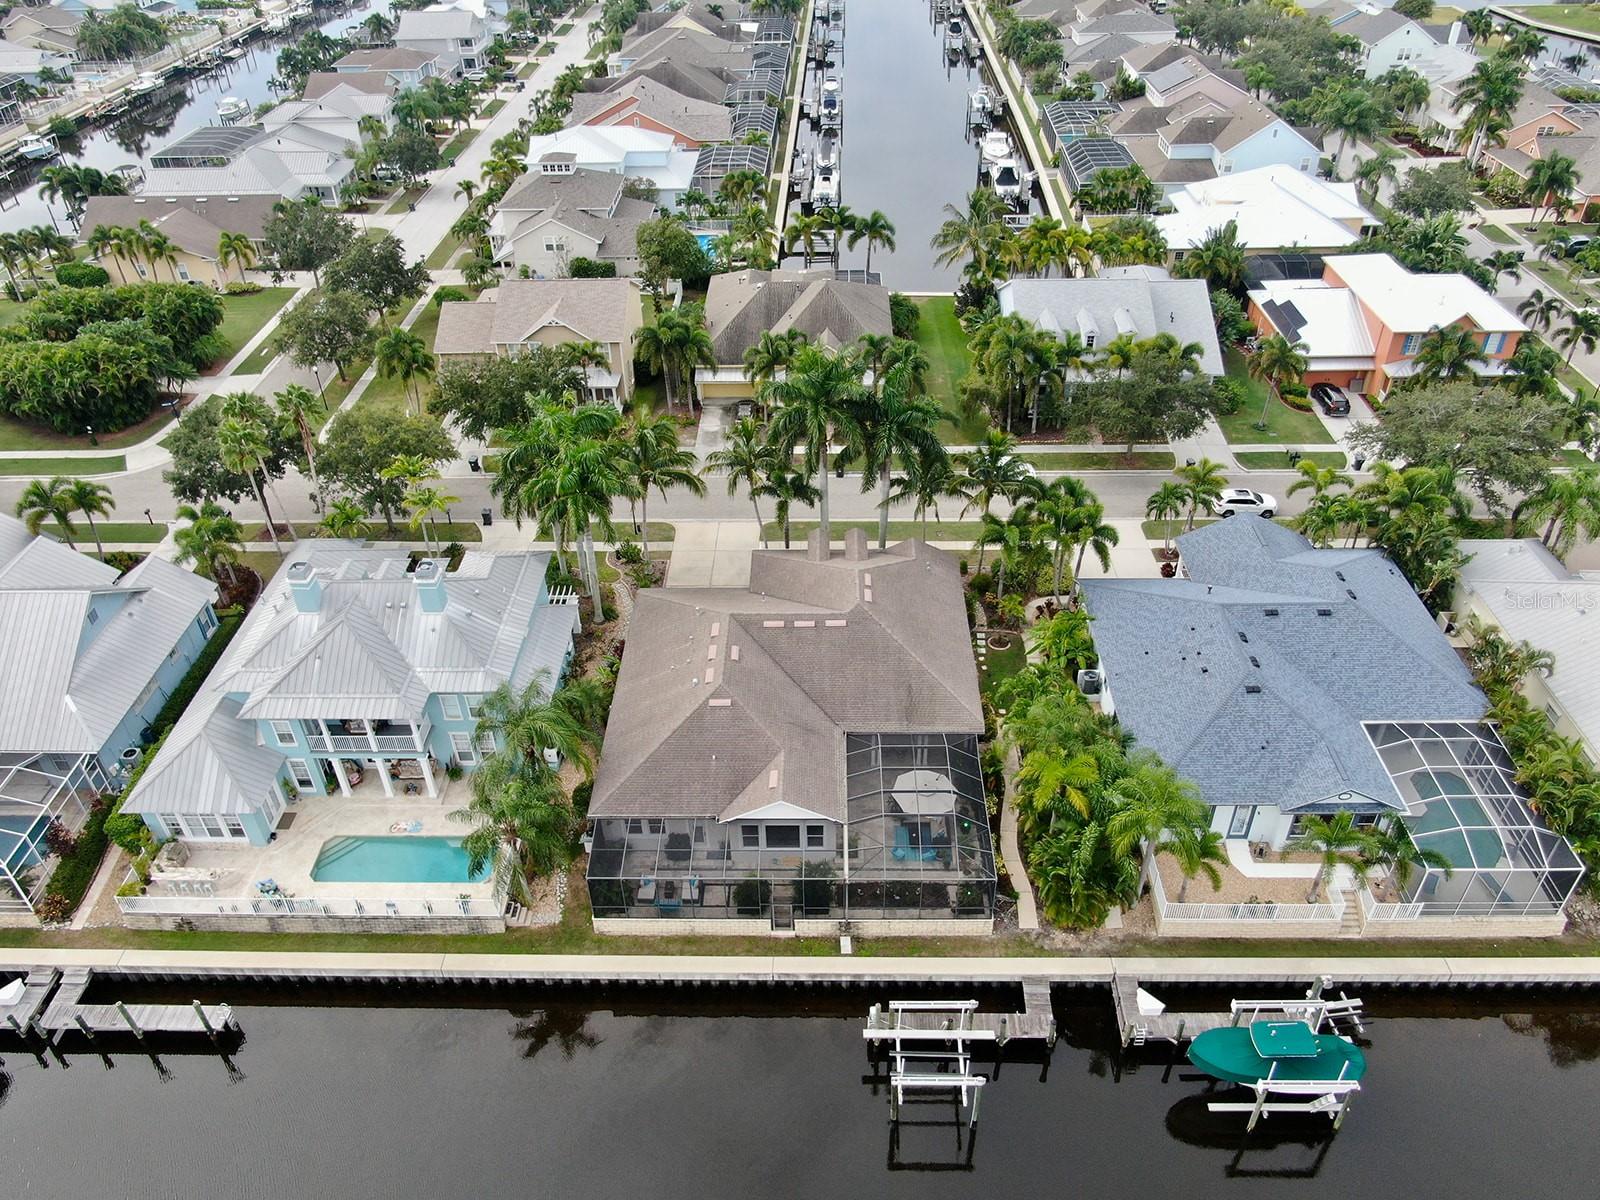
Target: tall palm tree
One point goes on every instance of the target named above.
(804, 230)
(673, 345)
(235, 248)
(786, 487)
(1319, 480)
(1372, 173)
(973, 235)
(538, 718)
(403, 354)
(1061, 508)
(1202, 485)
(242, 446)
(1582, 329)
(653, 459)
(92, 500)
(1218, 258)
(1390, 849)
(897, 425)
(158, 248)
(876, 230)
(772, 353)
(1480, 24)
(1276, 361)
(1488, 96)
(1569, 504)
(522, 824)
(211, 539)
(926, 480)
(425, 503)
(48, 500)
(1448, 353)
(820, 398)
(1551, 183)
(1152, 799)
(102, 243)
(296, 406)
(1166, 504)
(1337, 842)
(1541, 309)
(747, 459)
(992, 470)
(1504, 262)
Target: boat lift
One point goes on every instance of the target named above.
(938, 1034)
(1329, 1097)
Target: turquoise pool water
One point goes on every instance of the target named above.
(394, 860)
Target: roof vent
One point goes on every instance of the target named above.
(1339, 575)
(1349, 593)
(1324, 612)
(1244, 637)
(1269, 612)
(1255, 662)
(1252, 689)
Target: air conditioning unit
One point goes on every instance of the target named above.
(1446, 622)
(1089, 682)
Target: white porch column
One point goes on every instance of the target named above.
(427, 774)
(383, 778)
(372, 735)
(416, 738)
(338, 773)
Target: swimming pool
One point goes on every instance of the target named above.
(14, 829)
(394, 860)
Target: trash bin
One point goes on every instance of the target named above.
(1358, 461)
(473, 465)
(488, 517)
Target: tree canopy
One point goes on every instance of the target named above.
(362, 442)
(484, 395)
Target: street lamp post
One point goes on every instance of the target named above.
(317, 375)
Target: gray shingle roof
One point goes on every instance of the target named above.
(593, 309)
(1120, 301)
(733, 698)
(64, 694)
(742, 305)
(702, 120)
(1331, 638)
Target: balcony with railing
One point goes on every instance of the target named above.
(368, 737)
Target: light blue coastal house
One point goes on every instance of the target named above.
(88, 656)
(354, 662)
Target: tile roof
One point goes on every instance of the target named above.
(742, 305)
(1254, 676)
(701, 120)
(733, 698)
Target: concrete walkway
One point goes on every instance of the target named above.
(1011, 853)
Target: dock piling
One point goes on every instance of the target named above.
(122, 1010)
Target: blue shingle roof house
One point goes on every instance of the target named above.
(88, 656)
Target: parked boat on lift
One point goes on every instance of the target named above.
(233, 53)
(994, 149)
(827, 153)
(955, 36)
(1011, 182)
(830, 108)
(36, 149)
(980, 107)
(278, 22)
(146, 81)
(231, 109)
(825, 185)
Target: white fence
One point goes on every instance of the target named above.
(1374, 910)
(279, 906)
(1330, 910)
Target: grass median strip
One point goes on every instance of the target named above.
(1278, 460)
(106, 464)
(1115, 460)
(111, 532)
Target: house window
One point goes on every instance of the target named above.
(183, 272)
(1493, 343)
(451, 706)
(750, 837)
(486, 742)
(1088, 341)
(1409, 346)
(234, 826)
(635, 825)
(783, 837)
(553, 245)
(474, 707)
(93, 617)
(815, 836)
(461, 744)
(284, 733)
(208, 621)
(655, 825)
(301, 771)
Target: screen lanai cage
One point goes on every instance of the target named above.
(915, 845)
(1459, 784)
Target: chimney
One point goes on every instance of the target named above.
(429, 578)
(816, 548)
(304, 587)
(855, 545)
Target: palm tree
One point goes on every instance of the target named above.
(536, 719)
(876, 230)
(243, 448)
(48, 500)
(1319, 480)
(1338, 842)
(990, 470)
(804, 230)
(653, 459)
(1049, 782)
(1570, 504)
(1479, 23)
(1063, 508)
(296, 405)
(673, 345)
(897, 426)
(927, 479)
(1372, 173)
(212, 539)
(1551, 183)
(1202, 485)
(1541, 309)
(820, 398)
(1166, 504)
(92, 500)
(974, 234)
(522, 824)
(786, 487)
(1504, 262)
(157, 247)
(1582, 329)
(772, 353)
(1218, 258)
(1489, 96)
(1152, 799)
(1407, 91)
(1448, 353)
(425, 503)
(102, 243)
(344, 519)
(1391, 849)
(399, 352)
(747, 459)
(235, 248)
(1276, 361)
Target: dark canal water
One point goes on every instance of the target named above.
(905, 149)
(769, 1094)
(167, 114)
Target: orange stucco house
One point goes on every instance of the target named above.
(1364, 320)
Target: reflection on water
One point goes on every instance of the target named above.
(734, 1093)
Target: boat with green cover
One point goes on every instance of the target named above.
(1281, 1050)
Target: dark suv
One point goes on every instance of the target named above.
(1332, 398)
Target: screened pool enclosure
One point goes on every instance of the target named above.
(914, 844)
(1459, 784)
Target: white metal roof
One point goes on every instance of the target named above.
(1404, 300)
(1273, 207)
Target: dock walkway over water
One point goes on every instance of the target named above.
(52, 1004)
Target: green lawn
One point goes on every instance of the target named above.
(996, 666)
(547, 49)
(1277, 460)
(110, 531)
(1069, 460)
(563, 29)
(449, 531)
(1581, 17)
(10, 311)
(1284, 424)
(106, 464)
(16, 435)
(409, 196)
(949, 531)
(259, 359)
(527, 69)
(456, 145)
(1496, 235)
(1558, 279)
(440, 258)
(945, 343)
(491, 108)
(426, 326)
(245, 315)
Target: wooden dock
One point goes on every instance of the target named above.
(36, 989)
(67, 1013)
(934, 1022)
(1136, 1027)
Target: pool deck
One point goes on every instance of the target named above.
(289, 858)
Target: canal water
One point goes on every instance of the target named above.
(906, 150)
(715, 1094)
(167, 114)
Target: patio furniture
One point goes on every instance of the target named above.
(647, 890)
(691, 890)
(670, 897)
(906, 847)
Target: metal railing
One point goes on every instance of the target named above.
(1330, 910)
(350, 907)
(358, 742)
